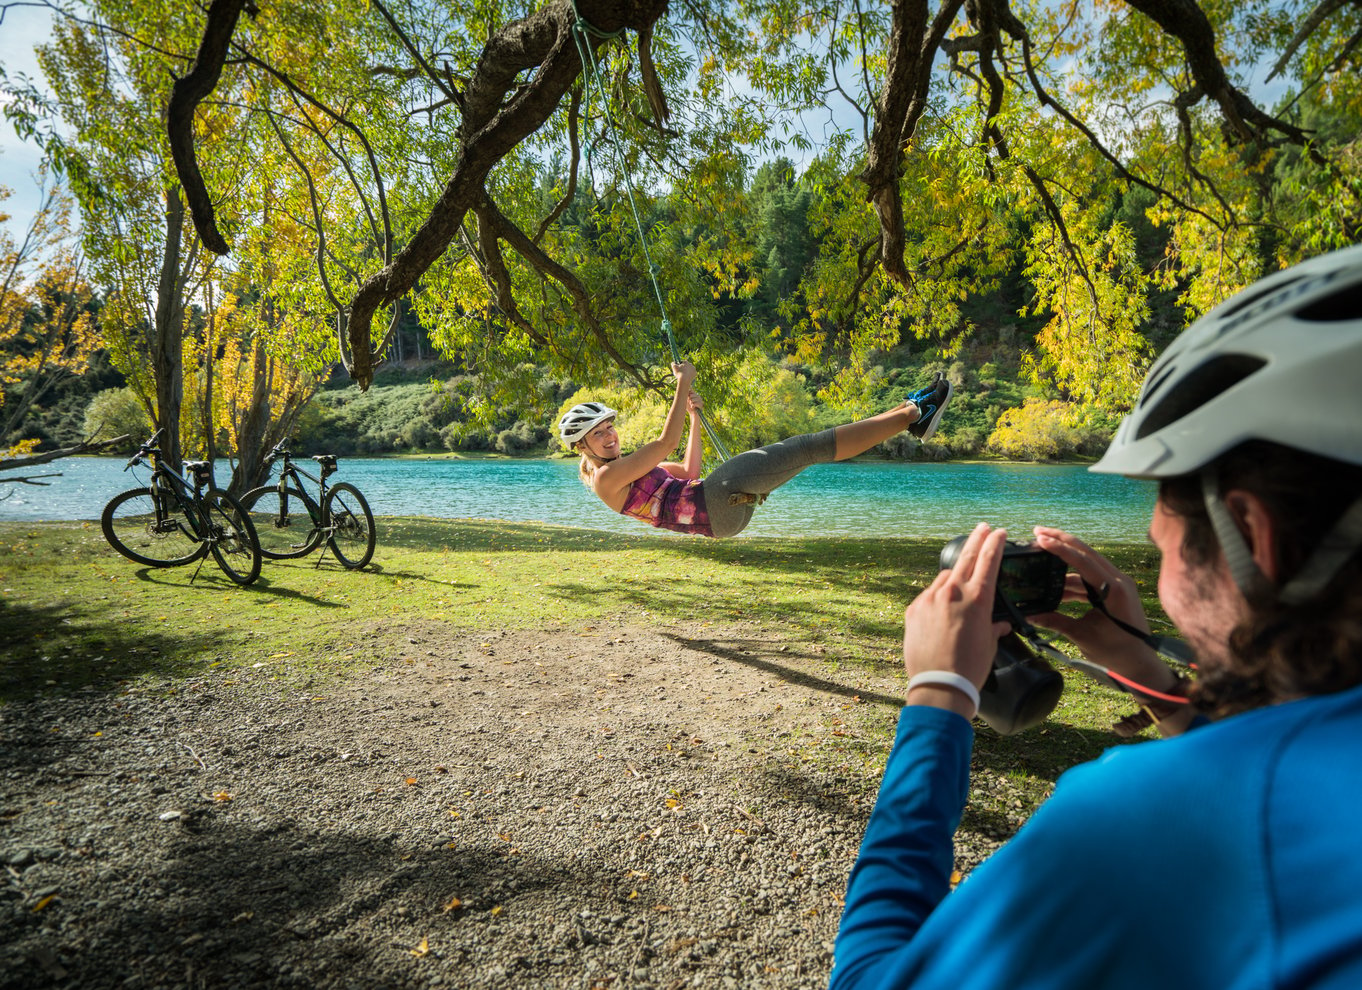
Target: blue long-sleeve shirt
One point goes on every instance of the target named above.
(1228, 857)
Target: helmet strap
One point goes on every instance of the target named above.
(1245, 571)
(581, 447)
(1333, 551)
(1339, 544)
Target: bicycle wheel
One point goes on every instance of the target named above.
(352, 525)
(233, 539)
(286, 525)
(135, 529)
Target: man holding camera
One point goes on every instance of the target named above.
(1226, 855)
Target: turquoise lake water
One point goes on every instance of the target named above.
(863, 498)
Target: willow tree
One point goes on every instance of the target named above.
(161, 323)
(983, 128)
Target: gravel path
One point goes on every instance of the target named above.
(614, 807)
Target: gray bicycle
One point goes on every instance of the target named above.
(290, 523)
(171, 522)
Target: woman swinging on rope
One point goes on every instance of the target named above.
(673, 496)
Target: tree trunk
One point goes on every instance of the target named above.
(167, 347)
(251, 438)
(209, 360)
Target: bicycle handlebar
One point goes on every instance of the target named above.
(280, 450)
(148, 447)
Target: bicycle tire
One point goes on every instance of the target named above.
(276, 528)
(129, 524)
(352, 525)
(233, 542)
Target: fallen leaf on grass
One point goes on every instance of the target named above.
(44, 902)
(453, 904)
(421, 949)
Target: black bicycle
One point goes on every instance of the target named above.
(172, 522)
(291, 523)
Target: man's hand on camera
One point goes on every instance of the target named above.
(1097, 636)
(949, 627)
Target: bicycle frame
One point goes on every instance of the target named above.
(187, 498)
(293, 471)
(337, 517)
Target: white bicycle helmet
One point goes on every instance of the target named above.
(581, 419)
(1280, 361)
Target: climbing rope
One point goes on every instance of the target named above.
(581, 30)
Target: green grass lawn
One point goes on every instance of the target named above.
(76, 615)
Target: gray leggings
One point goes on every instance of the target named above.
(760, 472)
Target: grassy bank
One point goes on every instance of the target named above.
(76, 616)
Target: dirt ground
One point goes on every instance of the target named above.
(611, 806)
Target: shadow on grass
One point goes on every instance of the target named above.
(165, 577)
(490, 536)
(57, 648)
(785, 672)
(1044, 752)
(825, 616)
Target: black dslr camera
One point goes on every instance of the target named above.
(1030, 578)
(1022, 688)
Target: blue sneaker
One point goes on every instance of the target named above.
(931, 402)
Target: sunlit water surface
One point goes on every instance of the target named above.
(867, 498)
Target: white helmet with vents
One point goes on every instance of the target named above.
(1280, 361)
(581, 419)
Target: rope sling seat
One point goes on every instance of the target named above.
(581, 30)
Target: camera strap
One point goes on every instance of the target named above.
(1165, 646)
(1096, 671)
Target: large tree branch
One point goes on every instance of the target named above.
(504, 229)
(495, 272)
(913, 44)
(185, 97)
(493, 126)
(32, 460)
(500, 110)
(1187, 22)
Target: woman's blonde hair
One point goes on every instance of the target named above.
(586, 467)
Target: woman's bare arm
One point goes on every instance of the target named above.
(611, 480)
(690, 466)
